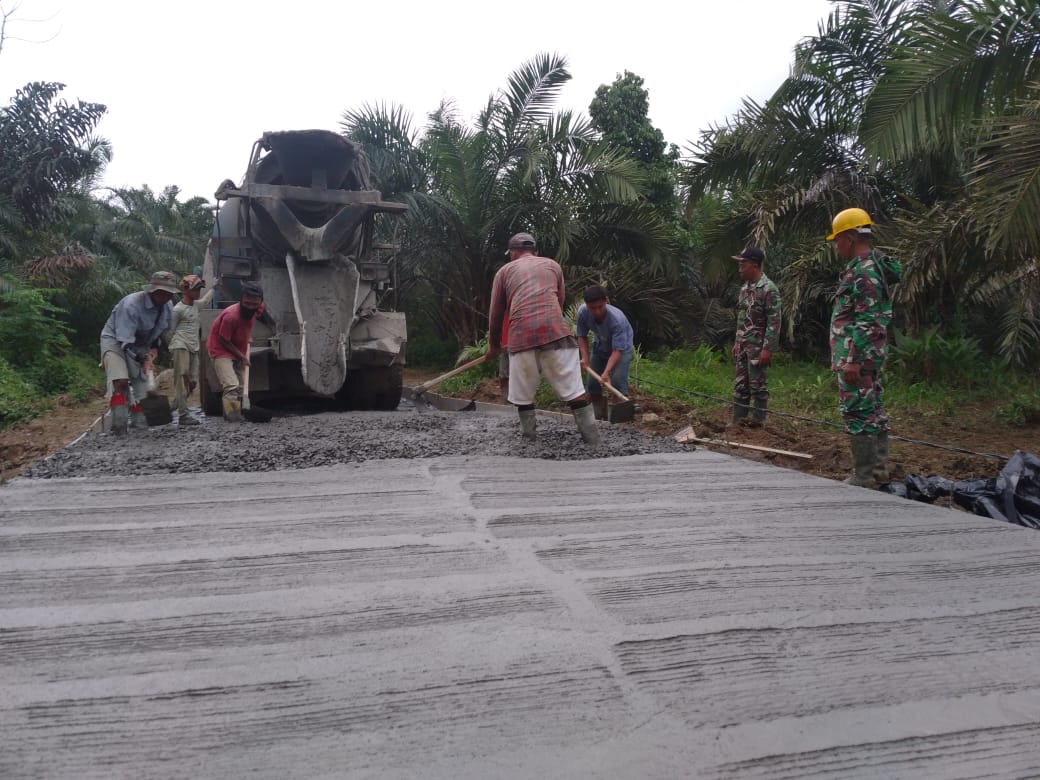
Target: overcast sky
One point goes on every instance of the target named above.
(191, 84)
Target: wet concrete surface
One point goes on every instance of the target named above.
(678, 614)
(304, 436)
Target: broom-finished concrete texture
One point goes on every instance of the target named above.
(667, 615)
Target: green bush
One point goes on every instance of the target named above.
(1023, 408)
(931, 358)
(75, 376)
(31, 329)
(19, 400)
(427, 351)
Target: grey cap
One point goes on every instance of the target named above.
(255, 289)
(522, 241)
(162, 280)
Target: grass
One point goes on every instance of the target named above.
(702, 378)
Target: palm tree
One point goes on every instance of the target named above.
(520, 167)
(963, 85)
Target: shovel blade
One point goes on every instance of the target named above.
(622, 412)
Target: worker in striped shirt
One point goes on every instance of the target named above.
(529, 290)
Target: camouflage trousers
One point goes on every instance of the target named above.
(861, 404)
(751, 380)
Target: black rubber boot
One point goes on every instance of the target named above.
(585, 419)
(864, 456)
(528, 423)
(740, 412)
(758, 416)
(881, 474)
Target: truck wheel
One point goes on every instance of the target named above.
(209, 399)
(388, 396)
(372, 387)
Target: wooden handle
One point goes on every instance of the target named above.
(607, 385)
(454, 372)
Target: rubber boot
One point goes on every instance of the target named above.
(585, 418)
(758, 416)
(137, 418)
(528, 423)
(184, 420)
(120, 414)
(740, 412)
(881, 475)
(233, 411)
(864, 455)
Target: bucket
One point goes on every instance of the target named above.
(156, 410)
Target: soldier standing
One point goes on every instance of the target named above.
(758, 334)
(859, 342)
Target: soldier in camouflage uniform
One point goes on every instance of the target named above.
(758, 333)
(859, 342)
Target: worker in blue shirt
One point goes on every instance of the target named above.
(612, 348)
(129, 344)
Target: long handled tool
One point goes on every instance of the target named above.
(687, 435)
(418, 390)
(622, 412)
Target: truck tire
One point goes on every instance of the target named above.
(375, 388)
(388, 396)
(209, 399)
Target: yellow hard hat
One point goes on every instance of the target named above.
(849, 219)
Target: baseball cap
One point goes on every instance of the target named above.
(192, 282)
(255, 289)
(752, 253)
(522, 241)
(162, 280)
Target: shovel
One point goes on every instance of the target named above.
(622, 412)
(418, 390)
(249, 412)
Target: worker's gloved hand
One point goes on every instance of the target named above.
(135, 357)
(192, 386)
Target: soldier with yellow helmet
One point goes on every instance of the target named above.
(859, 342)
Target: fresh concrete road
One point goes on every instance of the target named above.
(663, 615)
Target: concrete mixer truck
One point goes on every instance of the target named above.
(304, 223)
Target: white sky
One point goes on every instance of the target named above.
(190, 84)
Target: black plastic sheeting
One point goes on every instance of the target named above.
(1013, 496)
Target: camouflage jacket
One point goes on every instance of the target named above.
(758, 316)
(863, 311)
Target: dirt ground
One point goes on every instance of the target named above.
(974, 429)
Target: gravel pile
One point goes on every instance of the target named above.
(328, 438)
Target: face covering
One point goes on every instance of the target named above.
(246, 314)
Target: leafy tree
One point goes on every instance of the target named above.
(620, 113)
(47, 152)
(520, 167)
(924, 114)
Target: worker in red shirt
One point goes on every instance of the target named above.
(228, 347)
(529, 292)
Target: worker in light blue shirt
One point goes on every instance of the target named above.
(612, 348)
(129, 343)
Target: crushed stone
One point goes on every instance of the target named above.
(329, 438)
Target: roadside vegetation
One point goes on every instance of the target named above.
(925, 114)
